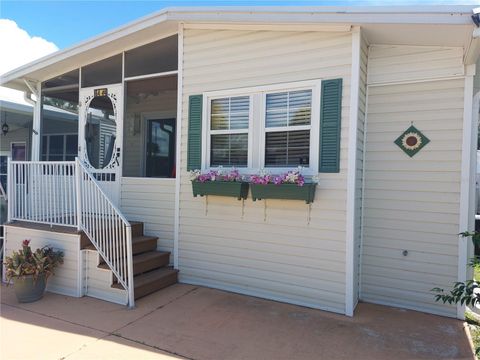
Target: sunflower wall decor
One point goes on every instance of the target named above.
(412, 141)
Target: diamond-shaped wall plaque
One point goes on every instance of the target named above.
(412, 141)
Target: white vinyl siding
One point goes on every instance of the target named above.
(151, 201)
(282, 258)
(412, 204)
(98, 281)
(399, 63)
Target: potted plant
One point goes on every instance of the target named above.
(289, 186)
(30, 270)
(220, 183)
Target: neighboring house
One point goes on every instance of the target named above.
(331, 89)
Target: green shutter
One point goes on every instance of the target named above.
(330, 118)
(194, 152)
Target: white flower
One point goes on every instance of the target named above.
(411, 141)
(194, 174)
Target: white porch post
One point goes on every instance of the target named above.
(36, 133)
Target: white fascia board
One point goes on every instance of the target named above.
(459, 15)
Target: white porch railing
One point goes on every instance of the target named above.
(42, 192)
(66, 193)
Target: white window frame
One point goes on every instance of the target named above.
(207, 132)
(257, 129)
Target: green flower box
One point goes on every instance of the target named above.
(235, 189)
(284, 191)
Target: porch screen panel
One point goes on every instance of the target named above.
(156, 57)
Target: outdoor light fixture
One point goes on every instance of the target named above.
(5, 126)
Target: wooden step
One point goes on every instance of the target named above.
(137, 228)
(143, 243)
(154, 280)
(146, 261)
(140, 244)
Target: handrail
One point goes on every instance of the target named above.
(106, 227)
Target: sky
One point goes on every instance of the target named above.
(32, 29)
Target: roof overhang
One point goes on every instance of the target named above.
(418, 25)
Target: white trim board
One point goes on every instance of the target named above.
(467, 185)
(178, 170)
(350, 296)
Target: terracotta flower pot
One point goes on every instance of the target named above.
(28, 289)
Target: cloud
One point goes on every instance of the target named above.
(18, 48)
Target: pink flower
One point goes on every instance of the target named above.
(25, 242)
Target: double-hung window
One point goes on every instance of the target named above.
(229, 131)
(288, 118)
(274, 127)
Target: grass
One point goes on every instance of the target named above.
(474, 325)
(476, 273)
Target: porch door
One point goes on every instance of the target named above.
(100, 135)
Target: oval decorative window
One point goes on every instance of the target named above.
(100, 131)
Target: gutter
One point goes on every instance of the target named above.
(428, 15)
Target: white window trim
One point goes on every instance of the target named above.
(207, 132)
(314, 128)
(257, 129)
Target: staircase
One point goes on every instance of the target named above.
(150, 267)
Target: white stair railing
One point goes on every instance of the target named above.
(66, 193)
(108, 230)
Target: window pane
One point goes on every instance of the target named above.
(230, 113)
(56, 145)
(300, 103)
(156, 57)
(71, 145)
(44, 147)
(161, 148)
(229, 150)
(287, 148)
(288, 108)
(103, 72)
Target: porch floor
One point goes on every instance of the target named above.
(185, 321)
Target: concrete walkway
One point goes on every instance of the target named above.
(191, 322)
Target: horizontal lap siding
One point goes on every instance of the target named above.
(279, 256)
(399, 63)
(98, 281)
(151, 201)
(65, 280)
(412, 203)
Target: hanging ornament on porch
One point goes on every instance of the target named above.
(412, 141)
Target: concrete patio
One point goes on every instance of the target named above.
(192, 322)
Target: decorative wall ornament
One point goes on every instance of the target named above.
(412, 141)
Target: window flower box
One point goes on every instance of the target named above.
(219, 183)
(304, 192)
(235, 189)
(288, 186)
